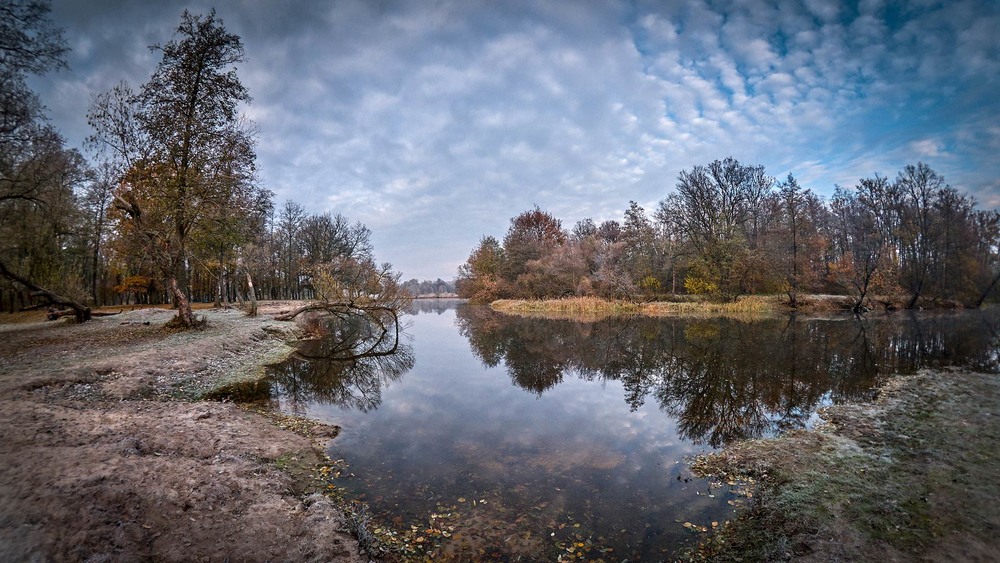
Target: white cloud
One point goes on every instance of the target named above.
(927, 148)
(435, 123)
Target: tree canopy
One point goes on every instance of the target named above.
(730, 229)
(171, 209)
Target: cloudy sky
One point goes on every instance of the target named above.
(435, 121)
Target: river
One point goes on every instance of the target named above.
(492, 437)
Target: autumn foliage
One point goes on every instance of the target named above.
(730, 230)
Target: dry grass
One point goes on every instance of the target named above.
(572, 306)
(20, 317)
(594, 307)
(753, 305)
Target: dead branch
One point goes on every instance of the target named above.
(373, 313)
(82, 312)
(57, 314)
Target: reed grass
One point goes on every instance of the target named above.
(571, 305)
(749, 306)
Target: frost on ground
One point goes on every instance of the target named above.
(911, 476)
(107, 454)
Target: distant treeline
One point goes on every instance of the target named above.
(93, 260)
(427, 288)
(729, 229)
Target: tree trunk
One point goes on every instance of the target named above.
(94, 275)
(218, 292)
(185, 317)
(96, 264)
(793, 298)
(916, 294)
(986, 293)
(252, 310)
(81, 312)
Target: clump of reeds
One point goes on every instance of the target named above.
(749, 305)
(359, 524)
(569, 305)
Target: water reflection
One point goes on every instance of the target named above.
(436, 305)
(725, 379)
(533, 434)
(349, 365)
(355, 383)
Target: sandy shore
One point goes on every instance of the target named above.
(107, 453)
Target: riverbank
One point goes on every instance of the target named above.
(911, 476)
(748, 306)
(593, 307)
(108, 453)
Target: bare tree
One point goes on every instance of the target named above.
(37, 173)
(866, 231)
(720, 209)
(919, 190)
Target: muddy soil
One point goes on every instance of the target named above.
(107, 452)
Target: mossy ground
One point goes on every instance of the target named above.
(911, 476)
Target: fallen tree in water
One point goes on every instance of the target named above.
(385, 321)
(364, 297)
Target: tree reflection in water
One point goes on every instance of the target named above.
(437, 305)
(722, 379)
(726, 379)
(348, 366)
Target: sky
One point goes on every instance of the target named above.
(434, 122)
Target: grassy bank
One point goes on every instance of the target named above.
(911, 476)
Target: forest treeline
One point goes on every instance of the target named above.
(428, 288)
(169, 206)
(730, 229)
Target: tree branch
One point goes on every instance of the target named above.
(82, 312)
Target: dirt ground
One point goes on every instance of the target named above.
(107, 454)
(909, 477)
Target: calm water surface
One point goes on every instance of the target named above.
(495, 437)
